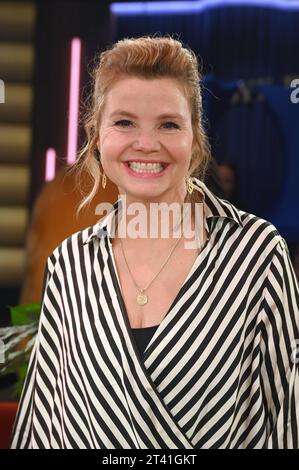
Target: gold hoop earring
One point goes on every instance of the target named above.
(104, 180)
(189, 185)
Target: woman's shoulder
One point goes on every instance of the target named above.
(248, 219)
(82, 237)
(248, 225)
(72, 244)
(261, 230)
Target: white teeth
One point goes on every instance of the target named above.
(146, 167)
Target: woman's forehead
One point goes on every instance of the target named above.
(136, 92)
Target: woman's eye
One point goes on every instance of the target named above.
(123, 123)
(170, 125)
(128, 123)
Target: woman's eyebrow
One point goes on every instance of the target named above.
(122, 112)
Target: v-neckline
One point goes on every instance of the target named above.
(123, 307)
(141, 358)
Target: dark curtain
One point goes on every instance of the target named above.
(247, 55)
(234, 42)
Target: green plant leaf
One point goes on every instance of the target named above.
(21, 315)
(21, 380)
(24, 314)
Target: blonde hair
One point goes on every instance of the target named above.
(146, 57)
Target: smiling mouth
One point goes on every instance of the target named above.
(141, 167)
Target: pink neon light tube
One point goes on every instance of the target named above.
(74, 100)
(50, 164)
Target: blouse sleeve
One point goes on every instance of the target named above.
(21, 438)
(280, 352)
(23, 434)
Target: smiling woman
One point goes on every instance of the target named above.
(163, 71)
(146, 145)
(150, 342)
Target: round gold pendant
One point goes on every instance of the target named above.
(142, 298)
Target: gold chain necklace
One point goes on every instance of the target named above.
(142, 296)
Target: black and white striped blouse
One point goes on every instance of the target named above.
(221, 370)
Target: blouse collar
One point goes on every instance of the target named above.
(214, 208)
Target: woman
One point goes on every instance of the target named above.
(154, 342)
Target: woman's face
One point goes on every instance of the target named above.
(145, 139)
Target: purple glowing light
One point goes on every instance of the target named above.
(143, 8)
(50, 164)
(74, 100)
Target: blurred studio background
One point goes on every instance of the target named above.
(250, 64)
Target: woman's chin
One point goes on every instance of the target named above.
(145, 197)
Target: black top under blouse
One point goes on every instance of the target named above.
(143, 336)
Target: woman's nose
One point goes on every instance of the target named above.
(146, 141)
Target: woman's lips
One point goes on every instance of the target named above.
(146, 174)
